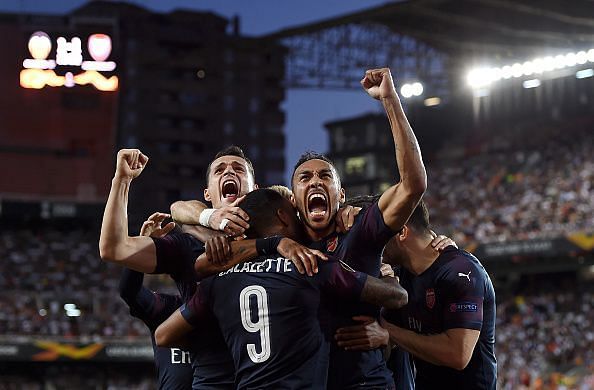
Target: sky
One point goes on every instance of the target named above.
(306, 110)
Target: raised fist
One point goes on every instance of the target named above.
(130, 163)
(378, 83)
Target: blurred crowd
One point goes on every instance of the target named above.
(47, 271)
(516, 193)
(545, 339)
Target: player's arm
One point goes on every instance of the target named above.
(338, 279)
(139, 298)
(222, 254)
(452, 348)
(115, 245)
(385, 292)
(399, 201)
(231, 219)
(464, 288)
(173, 331)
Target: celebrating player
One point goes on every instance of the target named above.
(173, 254)
(273, 318)
(449, 322)
(318, 193)
(174, 369)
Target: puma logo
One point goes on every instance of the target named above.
(467, 276)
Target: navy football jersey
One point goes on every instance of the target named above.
(211, 360)
(174, 370)
(361, 248)
(454, 292)
(274, 319)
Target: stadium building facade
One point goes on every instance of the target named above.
(179, 86)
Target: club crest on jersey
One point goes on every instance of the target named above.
(430, 298)
(332, 244)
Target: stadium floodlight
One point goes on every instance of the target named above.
(417, 89)
(42, 312)
(483, 77)
(533, 83)
(538, 66)
(528, 68)
(581, 57)
(406, 91)
(584, 73)
(480, 77)
(517, 70)
(559, 61)
(548, 63)
(69, 306)
(570, 59)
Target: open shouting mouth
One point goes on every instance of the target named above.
(230, 190)
(317, 205)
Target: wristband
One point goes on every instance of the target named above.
(267, 246)
(205, 217)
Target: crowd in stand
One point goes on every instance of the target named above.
(525, 193)
(546, 338)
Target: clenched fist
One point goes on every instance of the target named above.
(130, 163)
(378, 84)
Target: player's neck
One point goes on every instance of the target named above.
(421, 256)
(317, 235)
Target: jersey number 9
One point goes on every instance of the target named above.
(262, 325)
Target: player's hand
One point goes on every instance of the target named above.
(236, 219)
(152, 226)
(345, 218)
(218, 250)
(386, 271)
(304, 258)
(378, 83)
(130, 163)
(439, 243)
(366, 336)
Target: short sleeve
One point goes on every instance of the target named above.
(463, 285)
(176, 253)
(336, 278)
(370, 230)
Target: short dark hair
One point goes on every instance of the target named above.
(232, 150)
(261, 206)
(362, 201)
(311, 155)
(419, 220)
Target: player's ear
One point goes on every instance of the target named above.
(403, 234)
(207, 195)
(283, 217)
(342, 195)
(256, 186)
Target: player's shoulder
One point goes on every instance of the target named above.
(457, 262)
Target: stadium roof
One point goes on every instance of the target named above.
(501, 28)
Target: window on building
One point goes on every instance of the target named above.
(355, 166)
